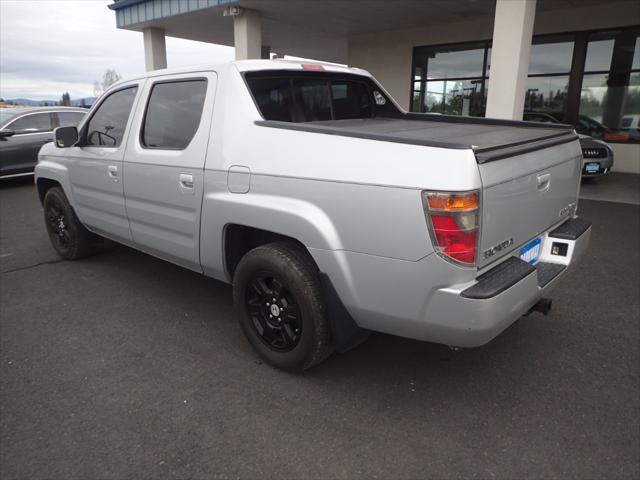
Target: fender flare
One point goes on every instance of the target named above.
(51, 170)
(294, 218)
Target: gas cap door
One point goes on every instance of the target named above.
(238, 179)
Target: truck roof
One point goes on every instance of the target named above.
(252, 66)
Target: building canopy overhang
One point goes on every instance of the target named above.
(298, 27)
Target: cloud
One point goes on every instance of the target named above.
(48, 47)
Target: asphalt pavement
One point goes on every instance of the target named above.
(123, 366)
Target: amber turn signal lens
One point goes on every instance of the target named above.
(452, 202)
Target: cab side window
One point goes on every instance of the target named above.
(36, 123)
(107, 125)
(173, 114)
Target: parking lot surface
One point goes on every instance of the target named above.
(124, 366)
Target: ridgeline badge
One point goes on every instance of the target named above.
(498, 248)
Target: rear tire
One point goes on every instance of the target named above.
(292, 332)
(69, 237)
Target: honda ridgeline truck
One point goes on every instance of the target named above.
(331, 210)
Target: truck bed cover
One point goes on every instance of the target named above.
(490, 139)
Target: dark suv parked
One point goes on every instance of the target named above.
(597, 155)
(24, 130)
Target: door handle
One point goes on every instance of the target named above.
(186, 180)
(113, 172)
(544, 182)
(186, 183)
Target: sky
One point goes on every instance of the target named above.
(48, 47)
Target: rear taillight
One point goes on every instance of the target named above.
(454, 221)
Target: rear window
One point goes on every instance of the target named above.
(316, 97)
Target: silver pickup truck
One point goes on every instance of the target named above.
(331, 210)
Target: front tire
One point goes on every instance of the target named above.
(277, 293)
(69, 237)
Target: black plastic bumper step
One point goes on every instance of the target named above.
(548, 271)
(498, 279)
(571, 229)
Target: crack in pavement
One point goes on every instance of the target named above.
(28, 267)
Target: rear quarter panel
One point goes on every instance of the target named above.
(327, 191)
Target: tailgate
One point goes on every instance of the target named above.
(525, 195)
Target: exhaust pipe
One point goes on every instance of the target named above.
(543, 306)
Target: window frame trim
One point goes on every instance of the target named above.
(143, 122)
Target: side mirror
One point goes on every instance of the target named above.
(6, 133)
(65, 136)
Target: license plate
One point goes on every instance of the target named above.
(592, 167)
(531, 251)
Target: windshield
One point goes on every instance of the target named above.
(7, 114)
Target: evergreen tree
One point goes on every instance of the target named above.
(66, 99)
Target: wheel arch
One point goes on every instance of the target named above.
(44, 185)
(226, 216)
(50, 173)
(239, 239)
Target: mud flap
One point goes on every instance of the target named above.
(345, 333)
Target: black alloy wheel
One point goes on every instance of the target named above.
(69, 237)
(56, 225)
(274, 312)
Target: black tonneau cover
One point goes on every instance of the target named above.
(490, 139)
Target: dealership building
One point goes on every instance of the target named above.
(577, 61)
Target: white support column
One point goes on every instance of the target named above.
(155, 49)
(247, 35)
(512, 31)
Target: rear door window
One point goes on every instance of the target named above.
(34, 123)
(173, 114)
(107, 125)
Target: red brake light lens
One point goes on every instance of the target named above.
(312, 66)
(454, 222)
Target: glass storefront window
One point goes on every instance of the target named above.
(617, 109)
(464, 97)
(546, 94)
(550, 57)
(454, 62)
(610, 93)
(450, 79)
(603, 100)
(457, 97)
(599, 54)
